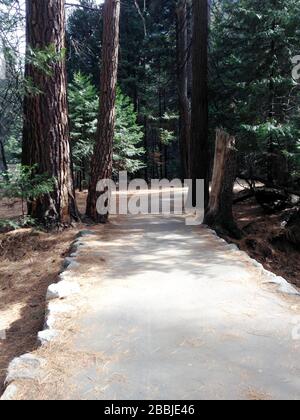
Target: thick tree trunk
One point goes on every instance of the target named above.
(102, 161)
(46, 131)
(219, 215)
(199, 129)
(184, 103)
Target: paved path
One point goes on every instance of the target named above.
(176, 314)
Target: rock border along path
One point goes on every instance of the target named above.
(30, 367)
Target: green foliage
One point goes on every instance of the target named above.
(128, 137)
(44, 59)
(83, 106)
(21, 222)
(252, 90)
(13, 144)
(11, 87)
(83, 111)
(22, 183)
(84, 35)
(166, 136)
(147, 67)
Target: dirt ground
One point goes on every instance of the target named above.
(30, 261)
(262, 243)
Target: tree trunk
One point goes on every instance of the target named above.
(184, 103)
(219, 215)
(46, 131)
(102, 162)
(199, 129)
(293, 230)
(3, 164)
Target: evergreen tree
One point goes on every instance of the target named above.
(11, 75)
(84, 29)
(46, 143)
(83, 108)
(147, 72)
(128, 152)
(254, 95)
(83, 113)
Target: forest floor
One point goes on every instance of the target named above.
(261, 241)
(30, 260)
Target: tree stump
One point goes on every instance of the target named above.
(219, 214)
(293, 230)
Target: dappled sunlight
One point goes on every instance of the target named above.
(170, 305)
(10, 315)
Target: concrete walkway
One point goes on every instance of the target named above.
(176, 314)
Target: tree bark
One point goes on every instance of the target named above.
(46, 130)
(220, 215)
(184, 103)
(199, 127)
(293, 230)
(3, 164)
(102, 162)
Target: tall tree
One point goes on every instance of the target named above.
(253, 93)
(11, 71)
(46, 131)
(102, 162)
(199, 127)
(184, 102)
(147, 71)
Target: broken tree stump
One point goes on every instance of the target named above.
(219, 215)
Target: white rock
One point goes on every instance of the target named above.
(62, 290)
(271, 276)
(10, 393)
(66, 275)
(57, 307)
(24, 367)
(49, 322)
(284, 286)
(73, 265)
(84, 233)
(44, 337)
(70, 263)
(257, 264)
(232, 247)
(288, 289)
(78, 244)
(244, 254)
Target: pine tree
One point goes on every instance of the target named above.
(128, 152)
(46, 131)
(83, 105)
(147, 72)
(11, 74)
(199, 151)
(84, 29)
(254, 94)
(83, 113)
(102, 161)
